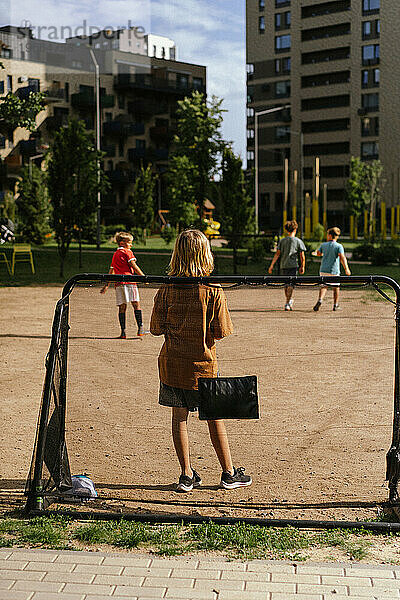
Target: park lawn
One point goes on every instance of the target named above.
(151, 261)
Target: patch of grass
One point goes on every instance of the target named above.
(233, 541)
(250, 541)
(346, 540)
(43, 531)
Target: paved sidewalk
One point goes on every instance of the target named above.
(68, 575)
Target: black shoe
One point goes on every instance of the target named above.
(186, 483)
(317, 305)
(238, 479)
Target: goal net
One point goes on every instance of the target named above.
(326, 445)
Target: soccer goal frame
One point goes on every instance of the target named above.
(50, 449)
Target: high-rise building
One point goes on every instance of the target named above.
(138, 102)
(334, 63)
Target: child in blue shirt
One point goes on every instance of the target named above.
(332, 255)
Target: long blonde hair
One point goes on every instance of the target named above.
(192, 255)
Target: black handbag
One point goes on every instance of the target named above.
(228, 398)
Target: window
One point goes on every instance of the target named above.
(279, 3)
(370, 54)
(6, 53)
(282, 89)
(261, 24)
(282, 133)
(250, 134)
(364, 78)
(325, 102)
(250, 68)
(250, 155)
(250, 112)
(370, 101)
(1, 87)
(282, 43)
(369, 150)
(366, 28)
(140, 144)
(261, 4)
(371, 6)
(172, 53)
(9, 83)
(197, 83)
(182, 80)
(378, 26)
(278, 65)
(369, 126)
(377, 76)
(282, 20)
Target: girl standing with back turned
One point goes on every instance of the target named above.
(191, 317)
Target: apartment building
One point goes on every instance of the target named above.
(333, 62)
(138, 103)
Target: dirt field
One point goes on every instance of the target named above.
(326, 397)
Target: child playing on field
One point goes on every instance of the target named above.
(192, 317)
(124, 263)
(332, 252)
(291, 251)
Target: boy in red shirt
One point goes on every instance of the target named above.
(124, 263)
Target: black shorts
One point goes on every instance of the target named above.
(178, 397)
(289, 273)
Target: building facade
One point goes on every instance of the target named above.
(138, 103)
(332, 62)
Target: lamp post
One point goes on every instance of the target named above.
(300, 134)
(256, 115)
(97, 93)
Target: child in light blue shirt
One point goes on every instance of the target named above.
(332, 255)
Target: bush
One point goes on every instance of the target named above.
(385, 253)
(111, 230)
(363, 252)
(168, 234)
(319, 233)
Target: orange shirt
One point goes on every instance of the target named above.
(191, 317)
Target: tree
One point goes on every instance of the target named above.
(237, 212)
(73, 184)
(375, 184)
(142, 203)
(16, 112)
(182, 210)
(199, 141)
(33, 206)
(364, 189)
(357, 194)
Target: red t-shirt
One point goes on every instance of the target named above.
(121, 262)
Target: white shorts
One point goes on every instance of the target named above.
(330, 275)
(124, 294)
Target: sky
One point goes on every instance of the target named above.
(207, 32)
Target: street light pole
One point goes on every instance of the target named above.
(98, 147)
(256, 115)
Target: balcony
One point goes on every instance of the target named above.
(109, 150)
(53, 95)
(13, 163)
(122, 129)
(85, 100)
(144, 108)
(161, 153)
(160, 133)
(137, 154)
(121, 176)
(148, 81)
(28, 147)
(23, 92)
(55, 122)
